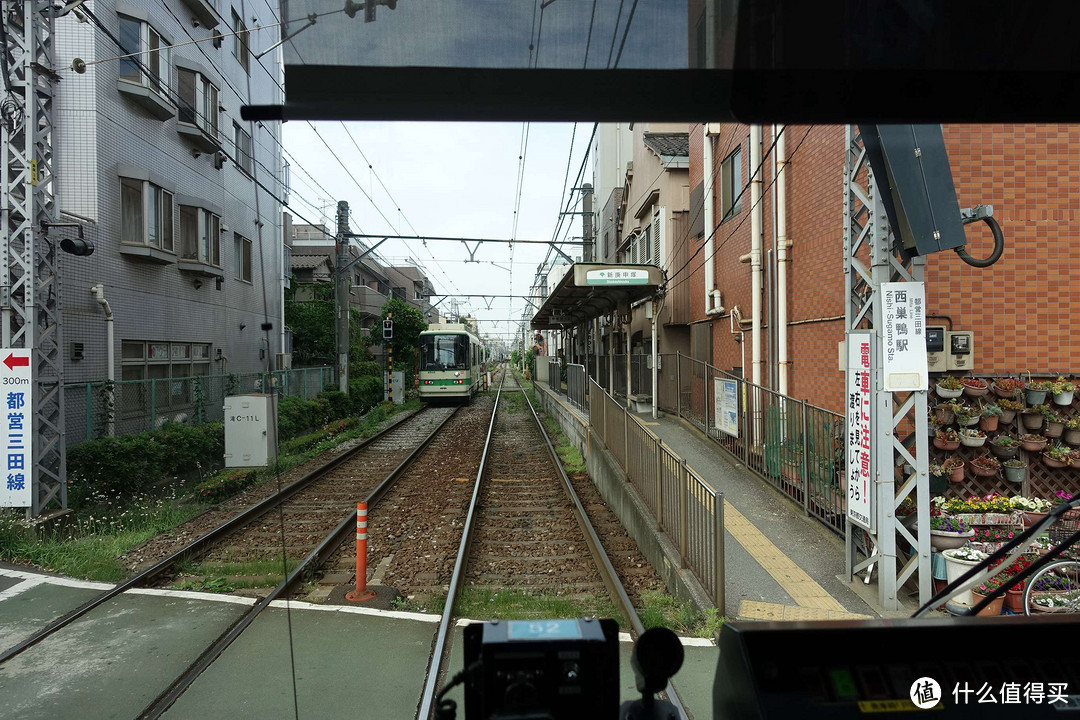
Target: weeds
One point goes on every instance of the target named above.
(660, 609)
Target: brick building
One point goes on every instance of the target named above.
(1018, 308)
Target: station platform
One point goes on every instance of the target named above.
(781, 564)
(347, 661)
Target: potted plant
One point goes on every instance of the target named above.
(1007, 387)
(1015, 470)
(946, 411)
(949, 387)
(1033, 417)
(1055, 425)
(954, 466)
(972, 437)
(967, 417)
(931, 421)
(1032, 442)
(974, 387)
(1014, 596)
(1004, 446)
(981, 592)
(1061, 497)
(1062, 390)
(1032, 509)
(1035, 391)
(1063, 601)
(938, 477)
(947, 439)
(906, 511)
(990, 415)
(985, 465)
(1056, 456)
(1072, 431)
(948, 532)
(1009, 409)
(958, 562)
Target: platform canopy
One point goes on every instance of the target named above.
(589, 290)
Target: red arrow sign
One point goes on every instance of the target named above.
(13, 362)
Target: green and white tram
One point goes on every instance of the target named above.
(451, 362)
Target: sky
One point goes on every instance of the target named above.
(447, 179)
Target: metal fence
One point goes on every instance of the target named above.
(791, 444)
(576, 386)
(94, 410)
(554, 377)
(684, 506)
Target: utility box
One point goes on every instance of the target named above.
(960, 346)
(936, 358)
(250, 430)
(399, 388)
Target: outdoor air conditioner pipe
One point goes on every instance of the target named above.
(708, 198)
(756, 222)
(98, 291)
(781, 260)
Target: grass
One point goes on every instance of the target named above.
(89, 542)
(659, 609)
(506, 604)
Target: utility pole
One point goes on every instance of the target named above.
(341, 294)
(588, 250)
(30, 286)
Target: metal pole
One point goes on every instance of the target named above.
(805, 462)
(678, 383)
(654, 354)
(659, 485)
(341, 295)
(684, 484)
(626, 326)
(719, 592)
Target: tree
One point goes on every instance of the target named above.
(312, 324)
(408, 324)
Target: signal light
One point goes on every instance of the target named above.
(79, 247)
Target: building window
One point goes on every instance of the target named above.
(198, 100)
(200, 235)
(399, 293)
(240, 42)
(170, 364)
(242, 248)
(242, 141)
(145, 46)
(146, 214)
(731, 185)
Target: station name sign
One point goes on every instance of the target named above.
(617, 277)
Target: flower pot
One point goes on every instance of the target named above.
(968, 422)
(969, 441)
(946, 444)
(957, 474)
(1071, 437)
(1035, 397)
(975, 391)
(1032, 518)
(1032, 421)
(941, 540)
(1054, 429)
(994, 608)
(1014, 600)
(1015, 475)
(1001, 392)
(1033, 445)
(1007, 415)
(954, 568)
(1002, 451)
(982, 471)
(945, 415)
(947, 393)
(1052, 463)
(1064, 398)
(937, 484)
(988, 423)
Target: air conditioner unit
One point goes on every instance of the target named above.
(283, 361)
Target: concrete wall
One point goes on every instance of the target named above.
(626, 503)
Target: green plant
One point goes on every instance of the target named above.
(1006, 404)
(1005, 441)
(1032, 504)
(1061, 385)
(107, 416)
(948, 523)
(991, 409)
(1073, 423)
(1014, 463)
(1009, 385)
(225, 484)
(972, 433)
(1057, 452)
(950, 383)
(947, 435)
(952, 463)
(973, 382)
(1038, 384)
(986, 462)
(1047, 412)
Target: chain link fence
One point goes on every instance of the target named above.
(101, 408)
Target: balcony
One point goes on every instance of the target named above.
(366, 300)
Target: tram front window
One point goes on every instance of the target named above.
(444, 352)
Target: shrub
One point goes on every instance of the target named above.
(305, 442)
(225, 484)
(366, 391)
(126, 464)
(294, 416)
(191, 446)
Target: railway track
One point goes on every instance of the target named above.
(525, 529)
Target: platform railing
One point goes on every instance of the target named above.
(576, 386)
(554, 375)
(682, 504)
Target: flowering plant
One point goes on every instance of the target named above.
(967, 554)
(1060, 497)
(950, 383)
(1063, 600)
(988, 587)
(992, 503)
(906, 507)
(993, 533)
(1053, 581)
(948, 523)
(1026, 504)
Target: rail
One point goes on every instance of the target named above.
(201, 543)
(683, 505)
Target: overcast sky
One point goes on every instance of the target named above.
(448, 179)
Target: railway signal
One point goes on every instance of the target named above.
(388, 329)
